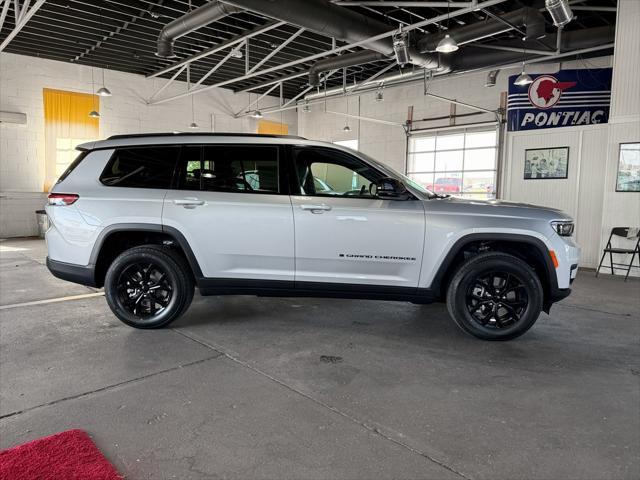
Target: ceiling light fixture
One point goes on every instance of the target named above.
(523, 79)
(560, 12)
(306, 108)
(103, 91)
(447, 44)
(379, 95)
(93, 113)
(193, 125)
(346, 128)
(257, 114)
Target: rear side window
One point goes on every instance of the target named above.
(72, 166)
(141, 167)
(230, 168)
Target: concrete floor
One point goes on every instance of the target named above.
(246, 387)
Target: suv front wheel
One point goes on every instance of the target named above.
(495, 296)
(148, 286)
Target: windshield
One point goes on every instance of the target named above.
(412, 184)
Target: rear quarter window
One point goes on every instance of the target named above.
(141, 167)
(72, 166)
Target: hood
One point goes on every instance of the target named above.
(495, 208)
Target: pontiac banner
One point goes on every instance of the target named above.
(563, 99)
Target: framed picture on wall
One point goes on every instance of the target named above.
(546, 163)
(628, 179)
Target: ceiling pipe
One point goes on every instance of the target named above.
(347, 60)
(209, 12)
(527, 17)
(325, 18)
(472, 59)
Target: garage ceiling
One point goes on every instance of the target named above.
(121, 35)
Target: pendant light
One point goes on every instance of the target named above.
(447, 44)
(93, 113)
(257, 113)
(103, 91)
(346, 127)
(193, 125)
(524, 78)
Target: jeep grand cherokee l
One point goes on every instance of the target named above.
(150, 217)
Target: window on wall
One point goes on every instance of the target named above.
(461, 163)
(67, 123)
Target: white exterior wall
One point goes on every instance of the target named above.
(22, 151)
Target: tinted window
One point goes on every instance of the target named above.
(231, 168)
(323, 171)
(142, 167)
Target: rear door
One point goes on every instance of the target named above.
(346, 235)
(232, 205)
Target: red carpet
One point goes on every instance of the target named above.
(69, 455)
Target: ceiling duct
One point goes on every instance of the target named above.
(328, 19)
(473, 58)
(347, 60)
(527, 17)
(206, 14)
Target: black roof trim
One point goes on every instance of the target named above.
(203, 134)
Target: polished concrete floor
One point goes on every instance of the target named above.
(245, 387)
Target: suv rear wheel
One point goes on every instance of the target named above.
(495, 296)
(148, 286)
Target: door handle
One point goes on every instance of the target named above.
(316, 208)
(188, 202)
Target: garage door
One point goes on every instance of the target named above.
(461, 162)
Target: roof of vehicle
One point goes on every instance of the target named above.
(169, 138)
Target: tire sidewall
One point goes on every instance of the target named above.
(469, 272)
(163, 261)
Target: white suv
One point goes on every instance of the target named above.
(152, 216)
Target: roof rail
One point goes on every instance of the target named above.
(203, 134)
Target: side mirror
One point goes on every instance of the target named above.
(391, 188)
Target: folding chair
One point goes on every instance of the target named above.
(624, 233)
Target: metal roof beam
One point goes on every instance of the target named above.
(439, 18)
(22, 17)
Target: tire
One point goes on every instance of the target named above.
(149, 286)
(495, 296)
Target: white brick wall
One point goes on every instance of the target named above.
(22, 162)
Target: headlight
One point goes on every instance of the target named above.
(564, 229)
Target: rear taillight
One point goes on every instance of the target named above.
(62, 198)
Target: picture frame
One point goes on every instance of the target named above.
(546, 163)
(628, 174)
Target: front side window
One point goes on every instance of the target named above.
(230, 168)
(141, 167)
(328, 172)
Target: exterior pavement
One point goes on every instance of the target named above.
(245, 387)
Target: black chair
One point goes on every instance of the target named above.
(624, 233)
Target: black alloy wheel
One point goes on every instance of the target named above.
(145, 290)
(495, 296)
(497, 299)
(149, 286)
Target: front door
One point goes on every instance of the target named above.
(234, 210)
(343, 233)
